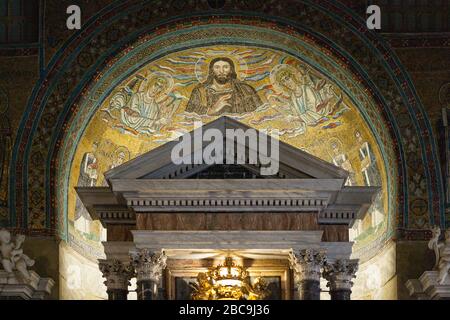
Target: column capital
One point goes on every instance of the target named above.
(149, 265)
(306, 263)
(116, 273)
(340, 273)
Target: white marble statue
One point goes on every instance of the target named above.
(12, 254)
(442, 253)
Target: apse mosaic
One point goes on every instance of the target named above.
(263, 88)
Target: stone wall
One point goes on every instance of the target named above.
(45, 253)
(79, 278)
(376, 278)
(413, 258)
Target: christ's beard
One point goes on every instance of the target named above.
(222, 79)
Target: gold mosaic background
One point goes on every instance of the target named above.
(120, 130)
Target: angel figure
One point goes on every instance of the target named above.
(301, 98)
(149, 109)
(442, 253)
(340, 159)
(12, 254)
(433, 244)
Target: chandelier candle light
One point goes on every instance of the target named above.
(228, 282)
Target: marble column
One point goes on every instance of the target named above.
(149, 267)
(117, 275)
(339, 275)
(306, 265)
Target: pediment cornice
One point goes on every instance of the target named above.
(158, 164)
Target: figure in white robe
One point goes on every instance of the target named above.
(371, 176)
(356, 230)
(326, 96)
(142, 112)
(304, 105)
(88, 178)
(368, 162)
(341, 160)
(303, 99)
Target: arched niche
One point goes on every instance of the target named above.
(342, 126)
(56, 114)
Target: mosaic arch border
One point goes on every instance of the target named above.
(340, 20)
(146, 50)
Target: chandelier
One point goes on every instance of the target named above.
(228, 282)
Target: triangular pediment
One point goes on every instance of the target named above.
(232, 171)
(158, 163)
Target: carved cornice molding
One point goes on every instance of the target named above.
(115, 215)
(209, 204)
(336, 216)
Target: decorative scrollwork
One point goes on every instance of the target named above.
(116, 273)
(307, 263)
(149, 265)
(340, 273)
